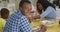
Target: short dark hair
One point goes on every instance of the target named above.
(22, 2)
(4, 11)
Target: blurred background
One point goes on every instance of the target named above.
(13, 5)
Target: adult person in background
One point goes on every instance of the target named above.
(4, 16)
(18, 21)
(46, 9)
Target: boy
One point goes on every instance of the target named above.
(4, 16)
(18, 21)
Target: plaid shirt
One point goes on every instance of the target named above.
(17, 23)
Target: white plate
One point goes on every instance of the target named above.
(48, 23)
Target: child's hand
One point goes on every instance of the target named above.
(37, 15)
(43, 28)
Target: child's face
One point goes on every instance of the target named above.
(26, 8)
(5, 15)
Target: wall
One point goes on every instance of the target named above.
(32, 1)
(16, 2)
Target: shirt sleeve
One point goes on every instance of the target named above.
(47, 11)
(24, 25)
(11, 25)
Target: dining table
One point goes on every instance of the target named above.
(38, 24)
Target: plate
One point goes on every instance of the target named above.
(48, 23)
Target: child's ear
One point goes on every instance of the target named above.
(21, 10)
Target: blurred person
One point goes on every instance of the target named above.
(4, 16)
(46, 9)
(18, 21)
(4, 13)
(33, 12)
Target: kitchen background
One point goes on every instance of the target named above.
(13, 5)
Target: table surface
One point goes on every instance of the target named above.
(55, 28)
